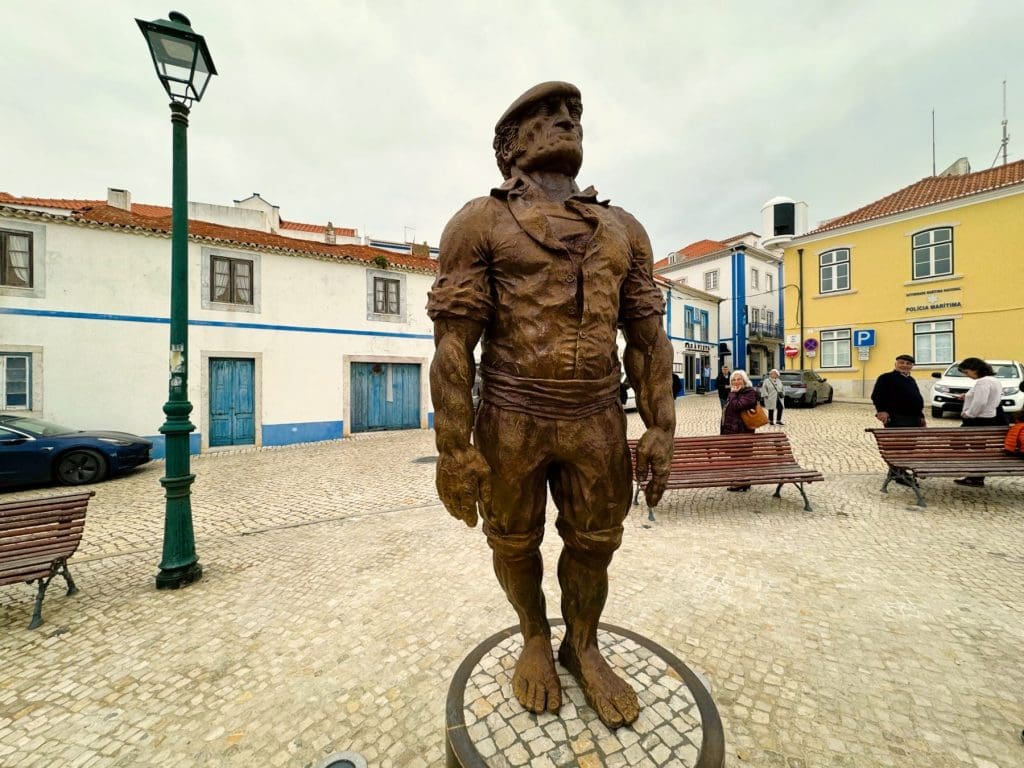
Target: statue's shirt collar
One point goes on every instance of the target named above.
(519, 186)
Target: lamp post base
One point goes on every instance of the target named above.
(176, 578)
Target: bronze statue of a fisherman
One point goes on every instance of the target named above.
(546, 274)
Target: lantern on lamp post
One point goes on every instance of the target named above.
(184, 66)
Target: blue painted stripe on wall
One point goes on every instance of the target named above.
(430, 420)
(210, 323)
(195, 441)
(302, 432)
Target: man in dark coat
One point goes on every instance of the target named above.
(898, 401)
(722, 385)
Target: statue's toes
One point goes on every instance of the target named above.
(555, 697)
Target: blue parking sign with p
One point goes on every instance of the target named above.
(864, 338)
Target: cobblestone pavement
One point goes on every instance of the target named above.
(339, 598)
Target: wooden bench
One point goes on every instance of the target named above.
(727, 460)
(37, 536)
(916, 453)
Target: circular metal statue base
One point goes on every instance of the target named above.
(486, 726)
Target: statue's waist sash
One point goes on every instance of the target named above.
(549, 398)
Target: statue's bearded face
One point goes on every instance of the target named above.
(549, 137)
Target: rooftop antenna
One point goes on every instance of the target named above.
(406, 231)
(1006, 136)
(933, 142)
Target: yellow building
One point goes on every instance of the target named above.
(932, 269)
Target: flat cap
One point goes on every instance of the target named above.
(908, 358)
(537, 93)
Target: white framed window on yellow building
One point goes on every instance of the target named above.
(834, 271)
(835, 348)
(933, 342)
(933, 253)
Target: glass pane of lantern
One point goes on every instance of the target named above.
(174, 59)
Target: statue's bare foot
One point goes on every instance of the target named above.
(613, 699)
(535, 682)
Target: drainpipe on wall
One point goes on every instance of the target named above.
(800, 266)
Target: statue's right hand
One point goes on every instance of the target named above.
(463, 481)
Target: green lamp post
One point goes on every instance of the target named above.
(184, 66)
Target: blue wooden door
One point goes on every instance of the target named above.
(232, 401)
(385, 396)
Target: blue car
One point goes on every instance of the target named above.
(36, 451)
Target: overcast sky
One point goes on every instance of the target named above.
(379, 115)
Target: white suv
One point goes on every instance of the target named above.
(948, 392)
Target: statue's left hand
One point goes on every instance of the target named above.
(654, 457)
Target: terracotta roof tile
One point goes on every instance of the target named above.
(317, 228)
(45, 202)
(701, 248)
(105, 214)
(931, 190)
(157, 218)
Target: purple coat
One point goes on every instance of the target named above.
(732, 422)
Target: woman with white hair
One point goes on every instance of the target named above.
(742, 397)
(774, 393)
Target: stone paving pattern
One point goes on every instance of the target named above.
(667, 734)
(339, 598)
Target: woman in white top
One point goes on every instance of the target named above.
(981, 403)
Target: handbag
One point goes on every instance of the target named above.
(755, 417)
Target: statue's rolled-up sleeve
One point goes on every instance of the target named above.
(640, 297)
(462, 289)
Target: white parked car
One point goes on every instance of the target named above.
(952, 385)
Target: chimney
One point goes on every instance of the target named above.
(330, 236)
(960, 168)
(119, 198)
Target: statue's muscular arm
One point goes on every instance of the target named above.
(648, 362)
(463, 476)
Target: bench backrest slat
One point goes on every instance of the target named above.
(36, 532)
(723, 450)
(939, 442)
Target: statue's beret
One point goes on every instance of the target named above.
(535, 94)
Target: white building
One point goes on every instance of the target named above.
(691, 320)
(747, 280)
(296, 332)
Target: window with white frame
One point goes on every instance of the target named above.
(711, 280)
(755, 279)
(385, 296)
(16, 259)
(704, 325)
(933, 342)
(15, 382)
(933, 253)
(231, 280)
(769, 317)
(688, 323)
(834, 271)
(769, 282)
(835, 348)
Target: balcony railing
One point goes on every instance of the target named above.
(765, 330)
